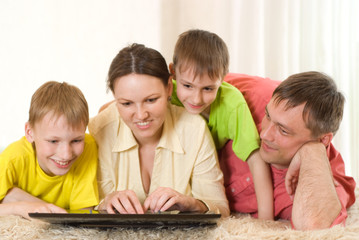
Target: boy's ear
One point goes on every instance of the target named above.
(29, 134)
(170, 86)
(326, 139)
(172, 70)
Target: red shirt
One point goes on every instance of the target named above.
(237, 177)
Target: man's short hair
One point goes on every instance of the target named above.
(324, 104)
(59, 99)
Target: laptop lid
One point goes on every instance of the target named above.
(89, 218)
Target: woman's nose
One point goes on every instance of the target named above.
(141, 112)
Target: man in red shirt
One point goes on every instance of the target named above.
(296, 127)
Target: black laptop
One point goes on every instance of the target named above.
(90, 218)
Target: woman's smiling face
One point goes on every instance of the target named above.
(142, 103)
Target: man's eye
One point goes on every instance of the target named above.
(52, 141)
(266, 114)
(187, 85)
(282, 131)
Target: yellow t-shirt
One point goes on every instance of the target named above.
(185, 158)
(76, 189)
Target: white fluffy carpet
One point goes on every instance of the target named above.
(236, 227)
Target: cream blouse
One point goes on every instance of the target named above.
(185, 158)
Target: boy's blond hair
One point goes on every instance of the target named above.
(59, 99)
(202, 51)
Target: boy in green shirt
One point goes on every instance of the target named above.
(200, 63)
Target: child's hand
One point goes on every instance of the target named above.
(24, 208)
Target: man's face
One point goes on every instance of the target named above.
(283, 133)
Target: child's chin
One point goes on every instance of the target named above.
(61, 172)
(194, 111)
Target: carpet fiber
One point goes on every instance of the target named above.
(240, 226)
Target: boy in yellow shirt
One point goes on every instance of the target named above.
(54, 166)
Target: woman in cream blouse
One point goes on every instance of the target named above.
(153, 155)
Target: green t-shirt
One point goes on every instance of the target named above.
(230, 119)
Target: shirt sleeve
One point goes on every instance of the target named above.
(244, 132)
(7, 175)
(207, 178)
(103, 137)
(345, 184)
(106, 173)
(231, 119)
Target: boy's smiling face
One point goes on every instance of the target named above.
(196, 92)
(57, 143)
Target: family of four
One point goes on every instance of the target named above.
(154, 148)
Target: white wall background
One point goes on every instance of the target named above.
(75, 41)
